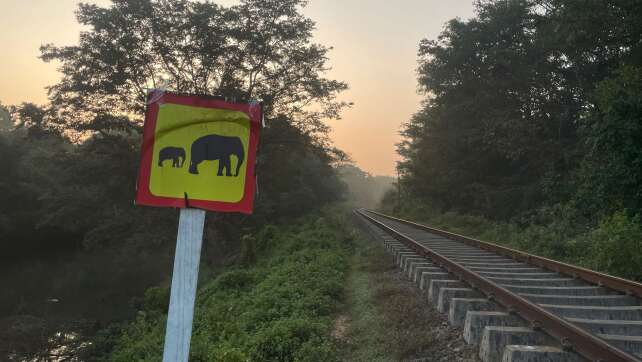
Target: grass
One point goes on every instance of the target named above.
(279, 306)
(365, 340)
(390, 319)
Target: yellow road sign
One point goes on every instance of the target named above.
(198, 152)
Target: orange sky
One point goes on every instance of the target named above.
(375, 44)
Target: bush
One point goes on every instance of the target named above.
(280, 308)
(292, 339)
(614, 247)
(236, 279)
(156, 299)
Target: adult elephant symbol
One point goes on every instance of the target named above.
(216, 147)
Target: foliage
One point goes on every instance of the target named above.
(614, 247)
(254, 50)
(530, 131)
(156, 299)
(520, 95)
(295, 174)
(27, 176)
(611, 173)
(492, 124)
(6, 123)
(279, 309)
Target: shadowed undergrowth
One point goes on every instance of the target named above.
(279, 306)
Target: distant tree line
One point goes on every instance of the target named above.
(363, 189)
(530, 105)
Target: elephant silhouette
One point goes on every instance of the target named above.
(176, 154)
(215, 147)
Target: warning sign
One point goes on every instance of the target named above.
(198, 152)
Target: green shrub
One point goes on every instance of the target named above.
(614, 247)
(142, 340)
(278, 308)
(284, 340)
(156, 299)
(236, 279)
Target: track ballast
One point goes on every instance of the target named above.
(517, 306)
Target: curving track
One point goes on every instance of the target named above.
(517, 306)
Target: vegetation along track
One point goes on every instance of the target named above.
(517, 306)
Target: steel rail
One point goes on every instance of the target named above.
(625, 286)
(570, 336)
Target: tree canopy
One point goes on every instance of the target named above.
(258, 49)
(517, 98)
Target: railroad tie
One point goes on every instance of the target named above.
(516, 306)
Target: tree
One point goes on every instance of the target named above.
(510, 95)
(256, 50)
(33, 119)
(610, 175)
(6, 123)
(295, 173)
(497, 115)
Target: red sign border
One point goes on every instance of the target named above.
(143, 193)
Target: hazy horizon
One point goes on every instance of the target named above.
(375, 45)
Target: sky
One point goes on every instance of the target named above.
(375, 51)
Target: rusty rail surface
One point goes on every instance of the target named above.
(625, 286)
(569, 335)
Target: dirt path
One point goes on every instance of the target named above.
(388, 319)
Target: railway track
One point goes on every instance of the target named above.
(517, 306)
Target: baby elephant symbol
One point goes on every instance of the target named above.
(176, 154)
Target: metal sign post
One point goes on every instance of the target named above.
(184, 279)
